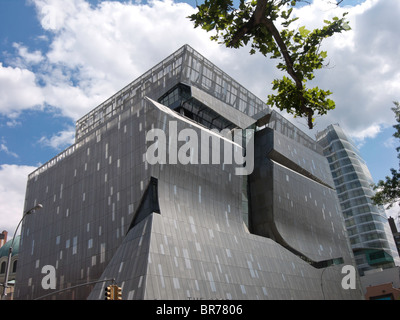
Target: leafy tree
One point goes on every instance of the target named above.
(389, 190)
(256, 22)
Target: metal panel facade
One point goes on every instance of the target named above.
(97, 224)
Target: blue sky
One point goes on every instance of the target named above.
(60, 59)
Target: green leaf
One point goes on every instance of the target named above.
(346, 26)
(304, 32)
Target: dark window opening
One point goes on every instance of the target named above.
(3, 267)
(148, 204)
(179, 99)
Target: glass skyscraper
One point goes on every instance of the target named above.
(367, 224)
(143, 197)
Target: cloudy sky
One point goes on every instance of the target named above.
(60, 59)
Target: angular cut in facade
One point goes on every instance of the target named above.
(367, 224)
(168, 229)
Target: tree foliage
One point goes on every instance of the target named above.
(256, 23)
(389, 189)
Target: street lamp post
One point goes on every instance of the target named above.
(10, 250)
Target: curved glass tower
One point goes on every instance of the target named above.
(367, 224)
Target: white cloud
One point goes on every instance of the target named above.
(4, 148)
(390, 143)
(371, 132)
(26, 57)
(18, 91)
(60, 140)
(53, 14)
(12, 123)
(364, 70)
(12, 190)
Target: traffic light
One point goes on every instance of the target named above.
(117, 293)
(113, 292)
(109, 294)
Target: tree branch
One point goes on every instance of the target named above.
(259, 17)
(253, 22)
(290, 69)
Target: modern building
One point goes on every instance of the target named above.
(395, 232)
(4, 252)
(167, 195)
(381, 284)
(377, 277)
(367, 224)
(382, 292)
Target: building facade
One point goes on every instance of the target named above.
(367, 224)
(4, 253)
(382, 292)
(3, 238)
(395, 232)
(184, 185)
(376, 277)
(381, 284)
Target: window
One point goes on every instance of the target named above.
(74, 245)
